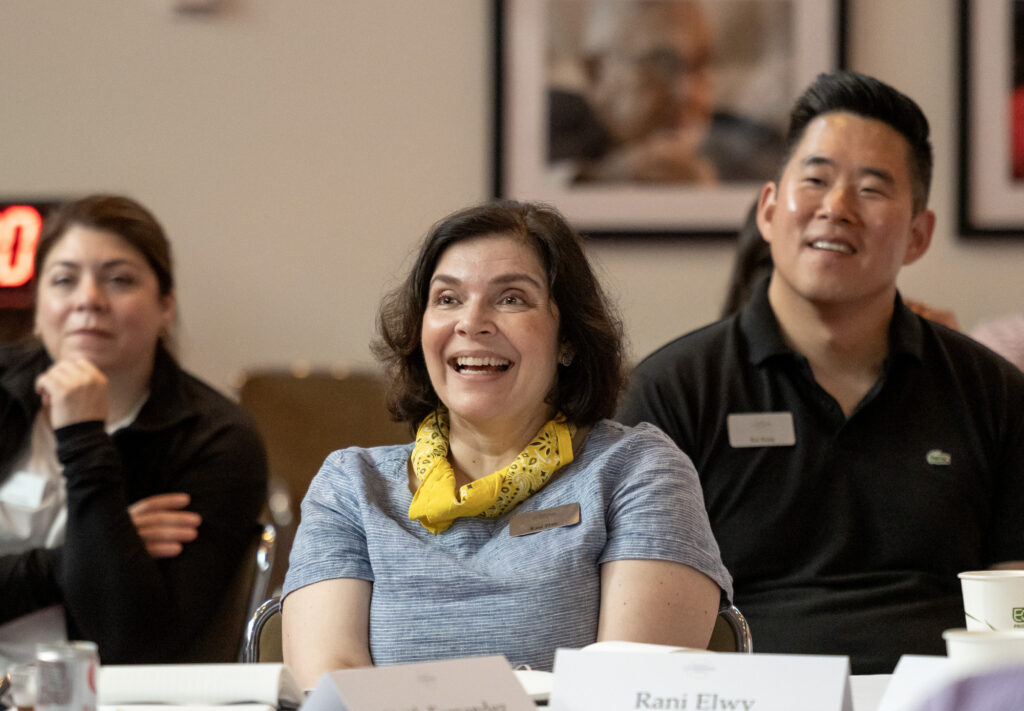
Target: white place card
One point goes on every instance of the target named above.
(471, 684)
(699, 681)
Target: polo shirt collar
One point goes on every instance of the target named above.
(906, 332)
(760, 328)
(764, 338)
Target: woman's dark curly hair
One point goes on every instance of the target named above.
(587, 389)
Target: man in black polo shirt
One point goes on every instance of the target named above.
(854, 456)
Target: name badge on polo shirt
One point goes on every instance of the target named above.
(528, 522)
(761, 429)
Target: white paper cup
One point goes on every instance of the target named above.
(972, 651)
(993, 599)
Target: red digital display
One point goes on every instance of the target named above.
(20, 225)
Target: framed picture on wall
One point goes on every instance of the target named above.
(652, 119)
(992, 118)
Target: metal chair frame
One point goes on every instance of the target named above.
(729, 617)
(264, 563)
(253, 630)
(262, 566)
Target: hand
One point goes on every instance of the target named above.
(73, 391)
(162, 525)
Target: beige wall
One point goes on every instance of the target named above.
(296, 150)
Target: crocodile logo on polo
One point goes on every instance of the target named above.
(938, 458)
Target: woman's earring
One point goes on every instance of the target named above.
(566, 356)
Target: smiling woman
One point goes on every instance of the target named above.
(505, 359)
(490, 341)
(129, 490)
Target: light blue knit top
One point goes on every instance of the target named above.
(476, 590)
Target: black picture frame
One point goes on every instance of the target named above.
(991, 190)
(631, 208)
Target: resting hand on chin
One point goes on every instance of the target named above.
(73, 390)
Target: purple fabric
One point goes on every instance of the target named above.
(1001, 690)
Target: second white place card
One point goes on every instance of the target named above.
(699, 681)
(470, 684)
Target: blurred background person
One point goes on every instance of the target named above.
(129, 490)
(503, 351)
(752, 263)
(645, 111)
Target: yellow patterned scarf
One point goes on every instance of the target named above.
(435, 503)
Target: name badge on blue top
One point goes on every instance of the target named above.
(536, 521)
(761, 429)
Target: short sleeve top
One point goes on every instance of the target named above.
(475, 589)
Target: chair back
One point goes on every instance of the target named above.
(303, 417)
(731, 633)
